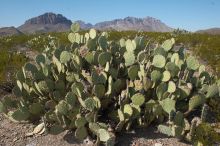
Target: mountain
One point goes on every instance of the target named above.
(84, 25)
(214, 31)
(8, 31)
(48, 22)
(133, 23)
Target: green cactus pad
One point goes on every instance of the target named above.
(98, 102)
(179, 119)
(103, 42)
(168, 105)
(129, 58)
(166, 76)
(103, 135)
(65, 56)
(71, 37)
(196, 101)
(90, 57)
(161, 89)
(80, 122)
(43, 86)
(171, 87)
(156, 75)
(16, 91)
(142, 56)
(133, 72)
(175, 58)
(77, 87)
(168, 44)
(30, 67)
(212, 91)
(92, 33)
(121, 115)
(159, 61)
(99, 90)
(138, 99)
(81, 133)
(160, 51)
(40, 59)
(100, 78)
(136, 111)
(177, 131)
(62, 107)
(127, 110)
(130, 45)
(20, 114)
(90, 104)
(75, 27)
(165, 130)
(104, 57)
(90, 117)
(192, 63)
(91, 44)
(172, 68)
(94, 127)
(36, 108)
(71, 98)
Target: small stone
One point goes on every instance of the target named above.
(158, 144)
(15, 139)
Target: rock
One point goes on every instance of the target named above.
(158, 144)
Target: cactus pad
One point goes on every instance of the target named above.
(159, 61)
(65, 57)
(92, 33)
(104, 135)
(168, 44)
(192, 63)
(168, 105)
(75, 27)
(196, 101)
(171, 87)
(133, 72)
(81, 133)
(138, 99)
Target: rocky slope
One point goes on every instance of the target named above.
(8, 31)
(214, 31)
(50, 22)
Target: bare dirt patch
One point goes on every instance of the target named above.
(13, 134)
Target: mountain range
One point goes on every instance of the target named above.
(50, 22)
(214, 31)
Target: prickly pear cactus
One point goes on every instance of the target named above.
(98, 87)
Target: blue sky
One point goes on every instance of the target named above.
(187, 14)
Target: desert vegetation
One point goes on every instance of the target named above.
(98, 84)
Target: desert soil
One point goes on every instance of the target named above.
(13, 134)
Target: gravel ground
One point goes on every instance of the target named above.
(13, 134)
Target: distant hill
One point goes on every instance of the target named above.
(133, 23)
(50, 22)
(8, 31)
(214, 31)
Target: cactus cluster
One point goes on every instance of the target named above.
(98, 87)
